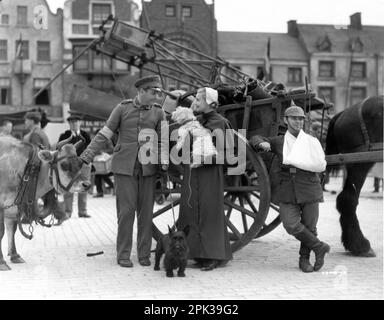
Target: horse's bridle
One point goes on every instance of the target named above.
(53, 169)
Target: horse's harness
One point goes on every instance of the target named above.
(368, 146)
(25, 199)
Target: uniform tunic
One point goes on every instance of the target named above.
(300, 187)
(299, 191)
(202, 204)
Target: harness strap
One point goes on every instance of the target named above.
(26, 195)
(363, 126)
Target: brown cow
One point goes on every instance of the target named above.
(61, 170)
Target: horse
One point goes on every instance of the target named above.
(356, 129)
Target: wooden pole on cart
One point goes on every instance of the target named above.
(307, 94)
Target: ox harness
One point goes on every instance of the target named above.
(26, 194)
(53, 169)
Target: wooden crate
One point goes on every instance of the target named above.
(102, 166)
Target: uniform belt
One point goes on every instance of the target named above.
(293, 170)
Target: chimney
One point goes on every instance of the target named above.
(356, 21)
(292, 28)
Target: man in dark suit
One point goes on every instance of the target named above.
(139, 123)
(299, 192)
(77, 135)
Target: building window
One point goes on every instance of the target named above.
(100, 12)
(358, 94)
(358, 70)
(5, 19)
(295, 76)
(83, 62)
(101, 62)
(3, 50)
(5, 91)
(79, 29)
(43, 51)
(186, 11)
(22, 15)
(22, 49)
(170, 11)
(326, 69)
(328, 93)
(44, 97)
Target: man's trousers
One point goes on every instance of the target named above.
(134, 194)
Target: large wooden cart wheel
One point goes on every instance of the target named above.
(246, 202)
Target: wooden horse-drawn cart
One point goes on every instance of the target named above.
(248, 197)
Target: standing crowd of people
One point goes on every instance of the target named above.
(202, 192)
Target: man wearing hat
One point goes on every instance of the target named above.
(138, 123)
(35, 134)
(77, 135)
(299, 192)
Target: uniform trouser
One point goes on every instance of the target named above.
(297, 217)
(81, 203)
(134, 193)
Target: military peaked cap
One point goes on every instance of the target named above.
(148, 82)
(74, 117)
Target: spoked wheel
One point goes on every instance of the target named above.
(246, 202)
(247, 199)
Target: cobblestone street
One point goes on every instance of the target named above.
(267, 268)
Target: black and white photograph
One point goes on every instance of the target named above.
(191, 155)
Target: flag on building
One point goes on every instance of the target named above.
(267, 63)
(19, 51)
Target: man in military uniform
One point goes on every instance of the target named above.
(138, 123)
(299, 192)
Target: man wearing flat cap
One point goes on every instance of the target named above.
(77, 134)
(138, 123)
(299, 191)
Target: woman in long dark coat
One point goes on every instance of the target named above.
(202, 195)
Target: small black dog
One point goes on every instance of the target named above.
(176, 249)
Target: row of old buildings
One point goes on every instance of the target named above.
(344, 64)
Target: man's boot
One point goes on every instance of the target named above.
(304, 263)
(319, 248)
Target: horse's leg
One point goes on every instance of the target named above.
(3, 264)
(11, 226)
(346, 203)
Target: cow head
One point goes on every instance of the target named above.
(67, 172)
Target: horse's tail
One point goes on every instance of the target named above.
(331, 146)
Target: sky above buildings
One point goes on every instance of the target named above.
(272, 16)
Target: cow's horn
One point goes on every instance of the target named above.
(63, 142)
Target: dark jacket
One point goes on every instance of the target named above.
(295, 185)
(202, 203)
(75, 139)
